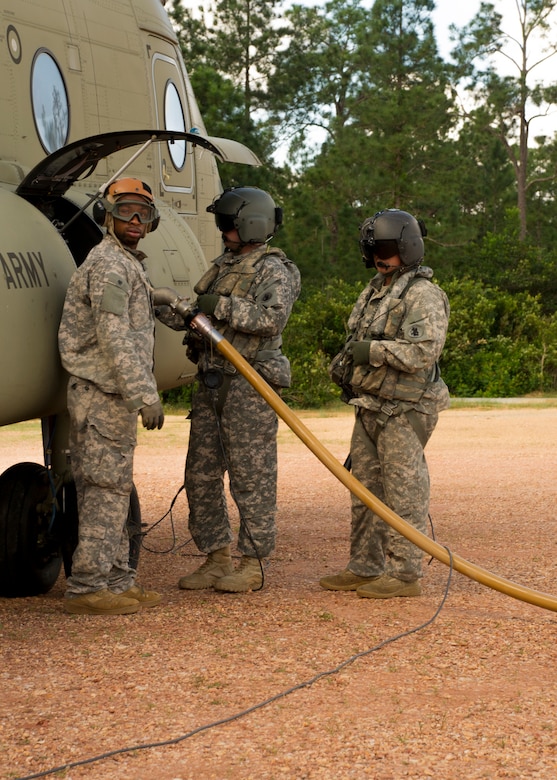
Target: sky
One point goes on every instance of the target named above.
(460, 13)
(449, 12)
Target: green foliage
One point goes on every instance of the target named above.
(498, 345)
(178, 397)
(392, 133)
(494, 347)
(316, 331)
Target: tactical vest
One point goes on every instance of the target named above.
(237, 279)
(385, 381)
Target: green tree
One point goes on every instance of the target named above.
(316, 331)
(315, 78)
(229, 47)
(387, 116)
(507, 105)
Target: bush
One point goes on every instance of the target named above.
(499, 344)
(494, 345)
(316, 331)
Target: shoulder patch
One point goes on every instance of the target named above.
(414, 328)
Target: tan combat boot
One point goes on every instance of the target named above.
(146, 598)
(102, 602)
(386, 587)
(218, 564)
(345, 580)
(247, 576)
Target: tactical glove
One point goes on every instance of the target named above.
(360, 352)
(207, 303)
(152, 416)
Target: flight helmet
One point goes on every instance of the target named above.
(391, 232)
(248, 209)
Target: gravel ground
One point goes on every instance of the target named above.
(294, 681)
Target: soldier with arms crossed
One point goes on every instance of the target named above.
(389, 372)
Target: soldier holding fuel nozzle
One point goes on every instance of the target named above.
(248, 294)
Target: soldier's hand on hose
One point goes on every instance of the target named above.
(207, 303)
(360, 352)
(152, 416)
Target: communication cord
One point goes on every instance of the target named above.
(255, 707)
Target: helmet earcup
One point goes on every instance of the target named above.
(100, 212)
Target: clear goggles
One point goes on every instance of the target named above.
(127, 209)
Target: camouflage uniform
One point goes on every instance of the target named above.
(398, 396)
(232, 428)
(106, 341)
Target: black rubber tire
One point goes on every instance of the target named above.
(69, 526)
(30, 555)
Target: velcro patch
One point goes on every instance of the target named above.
(415, 329)
(115, 295)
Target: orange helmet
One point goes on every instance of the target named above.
(129, 187)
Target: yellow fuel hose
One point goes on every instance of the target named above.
(199, 323)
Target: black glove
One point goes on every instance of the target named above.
(207, 303)
(360, 352)
(152, 416)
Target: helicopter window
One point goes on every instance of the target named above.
(50, 102)
(174, 120)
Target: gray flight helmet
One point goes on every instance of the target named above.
(248, 209)
(398, 226)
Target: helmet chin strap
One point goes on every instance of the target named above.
(384, 268)
(234, 246)
(238, 246)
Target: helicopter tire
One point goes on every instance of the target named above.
(30, 555)
(69, 526)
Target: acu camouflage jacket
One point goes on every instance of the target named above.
(106, 334)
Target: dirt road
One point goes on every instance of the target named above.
(471, 694)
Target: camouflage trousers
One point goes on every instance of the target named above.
(103, 435)
(392, 465)
(240, 440)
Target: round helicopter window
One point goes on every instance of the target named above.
(174, 120)
(50, 102)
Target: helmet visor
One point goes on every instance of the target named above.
(128, 208)
(225, 222)
(383, 250)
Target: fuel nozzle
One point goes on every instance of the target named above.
(194, 319)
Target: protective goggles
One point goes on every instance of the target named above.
(383, 250)
(126, 210)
